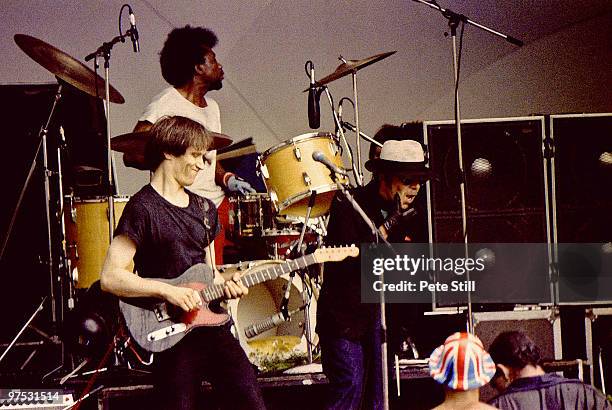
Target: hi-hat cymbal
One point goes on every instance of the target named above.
(351, 66)
(133, 145)
(65, 67)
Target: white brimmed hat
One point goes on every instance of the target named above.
(405, 157)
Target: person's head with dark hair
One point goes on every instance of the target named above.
(516, 356)
(515, 349)
(187, 52)
(173, 137)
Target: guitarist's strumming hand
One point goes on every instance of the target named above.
(186, 298)
(234, 288)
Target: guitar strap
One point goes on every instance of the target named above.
(204, 206)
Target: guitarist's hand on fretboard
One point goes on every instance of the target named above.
(186, 298)
(234, 288)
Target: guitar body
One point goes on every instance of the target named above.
(157, 325)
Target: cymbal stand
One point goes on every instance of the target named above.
(284, 307)
(357, 139)
(63, 257)
(338, 123)
(454, 19)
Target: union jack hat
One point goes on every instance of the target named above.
(461, 363)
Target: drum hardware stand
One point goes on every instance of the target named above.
(42, 134)
(338, 123)
(63, 257)
(14, 341)
(356, 108)
(56, 317)
(366, 137)
(454, 19)
(78, 402)
(284, 306)
(383, 313)
(351, 127)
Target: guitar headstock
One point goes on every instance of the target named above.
(335, 254)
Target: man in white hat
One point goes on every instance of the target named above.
(349, 331)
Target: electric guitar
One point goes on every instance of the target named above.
(157, 325)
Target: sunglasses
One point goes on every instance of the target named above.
(411, 181)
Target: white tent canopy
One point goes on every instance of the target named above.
(563, 67)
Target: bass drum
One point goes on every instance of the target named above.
(283, 342)
(87, 236)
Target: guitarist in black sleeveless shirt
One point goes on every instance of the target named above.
(165, 229)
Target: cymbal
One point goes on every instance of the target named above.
(351, 66)
(133, 145)
(65, 67)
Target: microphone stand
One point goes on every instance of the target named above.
(105, 51)
(381, 294)
(453, 22)
(284, 307)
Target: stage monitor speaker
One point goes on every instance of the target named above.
(542, 326)
(506, 196)
(598, 343)
(583, 202)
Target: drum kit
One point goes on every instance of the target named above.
(300, 189)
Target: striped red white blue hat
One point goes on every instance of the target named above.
(461, 363)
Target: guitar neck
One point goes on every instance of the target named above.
(215, 292)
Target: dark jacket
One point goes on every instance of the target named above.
(550, 392)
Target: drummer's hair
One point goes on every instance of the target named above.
(182, 51)
(173, 135)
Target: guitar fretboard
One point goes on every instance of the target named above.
(215, 292)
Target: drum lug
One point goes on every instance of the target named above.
(333, 148)
(264, 171)
(306, 178)
(297, 153)
(274, 199)
(73, 213)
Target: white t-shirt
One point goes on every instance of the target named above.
(171, 102)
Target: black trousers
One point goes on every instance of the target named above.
(211, 354)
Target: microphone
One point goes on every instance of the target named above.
(314, 114)
(320, 157)
(267, 324)
(134, 32)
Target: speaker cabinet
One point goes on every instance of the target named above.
(504, 175)
(506, 192)
(583, 176)
(582, 169)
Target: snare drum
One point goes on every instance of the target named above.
(291, 175)
(250, 215)
(87, 236)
